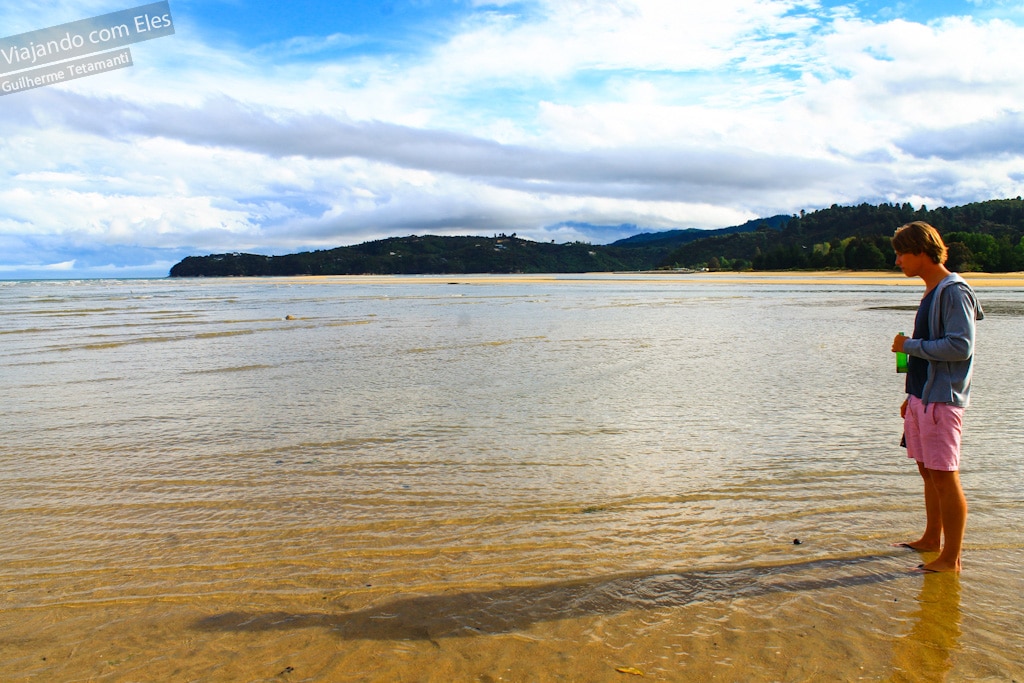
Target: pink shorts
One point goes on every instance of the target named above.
(933, 434)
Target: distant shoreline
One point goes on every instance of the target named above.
(770, 277)
(858, 277)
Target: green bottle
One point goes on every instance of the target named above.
(901, 360)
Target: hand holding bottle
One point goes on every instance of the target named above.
(901, 357)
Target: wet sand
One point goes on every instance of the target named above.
(857, 619)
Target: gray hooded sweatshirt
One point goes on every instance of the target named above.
(950, 351)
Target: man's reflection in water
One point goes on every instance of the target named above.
(927, 652)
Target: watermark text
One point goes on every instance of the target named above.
(65, 71)
(23, 55)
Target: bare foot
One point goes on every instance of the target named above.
(937, 566)
(920, 546)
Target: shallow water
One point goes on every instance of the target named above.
(483, 478)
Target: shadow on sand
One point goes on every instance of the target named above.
(514, 608)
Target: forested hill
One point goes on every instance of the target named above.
(675, 238)
(984, 236)
(426, 255)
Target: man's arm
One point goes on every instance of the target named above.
(958, 316)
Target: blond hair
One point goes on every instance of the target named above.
(919, 238)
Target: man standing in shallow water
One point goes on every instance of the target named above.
(940, 354)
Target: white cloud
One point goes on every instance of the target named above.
(47, 267)
(658, 113)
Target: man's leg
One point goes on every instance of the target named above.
(931, 539)
(953, 512)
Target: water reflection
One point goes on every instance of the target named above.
(926, 652)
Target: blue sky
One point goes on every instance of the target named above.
(278, 127)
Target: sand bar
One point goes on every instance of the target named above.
(832, 278)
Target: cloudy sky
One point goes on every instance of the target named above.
(274, 127)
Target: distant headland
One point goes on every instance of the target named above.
(982, 236)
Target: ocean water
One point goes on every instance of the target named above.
(491, 479)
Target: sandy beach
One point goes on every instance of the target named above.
(881, 278)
